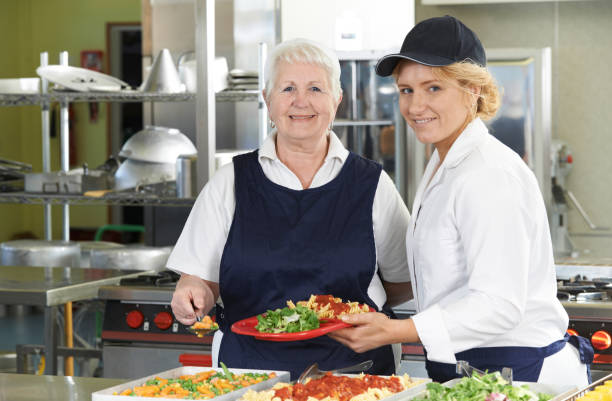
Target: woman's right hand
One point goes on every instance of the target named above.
(193, 297)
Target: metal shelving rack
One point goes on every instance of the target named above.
(7, 100)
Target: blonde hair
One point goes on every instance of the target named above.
(307, 52)
(468, 75)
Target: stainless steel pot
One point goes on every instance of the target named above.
(131, 258)
(133, 173)
(88, 246)
(40, 253)
(157, 145)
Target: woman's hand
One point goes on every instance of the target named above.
(373, 330)
(193, 297)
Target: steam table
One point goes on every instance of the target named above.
(53, 286)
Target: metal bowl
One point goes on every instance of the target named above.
(131, 258)
(40, 253)
(157, 145)
(88, 246)
(134, 173)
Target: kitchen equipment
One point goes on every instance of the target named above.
(81, 79)
(313, 372)
(75, 181)
(187, 72)
(158, 145)
(163, 77)
(20, 85)
(134, 174)
(138, 257)
(186, 176)
(40, 253)
(140, 334)
(10, 169)
(88, 246)
(50, 287)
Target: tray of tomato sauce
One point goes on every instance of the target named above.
(343, 388)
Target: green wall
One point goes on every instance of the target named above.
(35, 26)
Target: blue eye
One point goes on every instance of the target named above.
(434, 88)
(406, 90)
(315, 89)
(289, 89)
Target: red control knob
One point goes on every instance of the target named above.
(601, 340)
(134, 319)
(163, 320)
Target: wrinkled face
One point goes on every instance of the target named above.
(301, 103)
(436, 110)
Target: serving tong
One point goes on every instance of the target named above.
(313, 371)
(464, 368)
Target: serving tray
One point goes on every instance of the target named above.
(108, 394)
(558, 391)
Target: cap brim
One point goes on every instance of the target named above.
(386, 65)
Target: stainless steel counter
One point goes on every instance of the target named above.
(24, 387)
(53, 286)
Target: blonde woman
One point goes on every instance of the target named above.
(478, 242)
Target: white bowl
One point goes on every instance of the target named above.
(20, 85)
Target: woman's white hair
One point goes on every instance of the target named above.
(308, 52)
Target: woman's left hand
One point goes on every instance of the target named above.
(373, 330)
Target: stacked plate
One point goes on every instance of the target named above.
(242, 80)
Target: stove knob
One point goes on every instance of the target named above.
(163, 320)
(601, 340)
(134, 319)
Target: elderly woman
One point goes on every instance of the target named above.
(299, 216)
(478, 242)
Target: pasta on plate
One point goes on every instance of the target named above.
(330, 307)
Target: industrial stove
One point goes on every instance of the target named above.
(140, 335)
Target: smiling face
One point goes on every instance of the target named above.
(436, 110)
(301, 103)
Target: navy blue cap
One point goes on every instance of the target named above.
(436, 42)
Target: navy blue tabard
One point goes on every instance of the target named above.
(284, 245)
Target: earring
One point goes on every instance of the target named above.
(272, 124)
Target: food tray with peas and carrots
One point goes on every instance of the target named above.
(193, 382)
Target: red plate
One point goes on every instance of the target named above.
(246, 327)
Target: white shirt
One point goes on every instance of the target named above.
(200, 246)
(480, 253)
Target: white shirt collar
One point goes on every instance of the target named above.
(469, 139)
(336, 148)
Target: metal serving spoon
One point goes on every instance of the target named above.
(201, 332)
(313, 372)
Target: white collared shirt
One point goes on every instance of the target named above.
(200, 246)
(480, 253)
